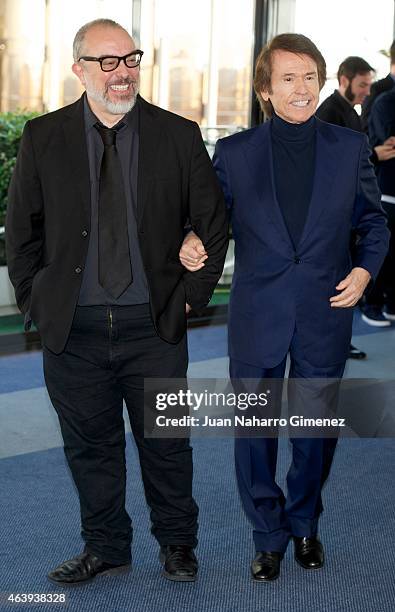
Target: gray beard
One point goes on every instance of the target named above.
(115, 108)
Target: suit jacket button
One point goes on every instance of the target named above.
(297, 260)
(78, 270)
(84, 233)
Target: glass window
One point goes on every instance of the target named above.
(355, 27)
(199, 65)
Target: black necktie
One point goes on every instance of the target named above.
(115, 272)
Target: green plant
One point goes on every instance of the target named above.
(11, 127)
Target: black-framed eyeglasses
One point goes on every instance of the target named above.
(111, 62)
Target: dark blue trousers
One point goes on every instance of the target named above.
(276, 517)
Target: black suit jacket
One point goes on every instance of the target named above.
(377, 88)
(48, 219)
(381, 127)
(335, 109)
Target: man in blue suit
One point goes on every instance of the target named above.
(296, 187)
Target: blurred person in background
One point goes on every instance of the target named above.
(355, 77)
(380, 301)
(355, 80)
(378, 88)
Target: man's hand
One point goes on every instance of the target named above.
(351, 289)
(386, 150)
(390, 141)
(188, 308)
(192, 253)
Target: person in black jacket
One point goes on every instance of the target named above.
(377, 120)
(98, 203)
(355, 78)
(380, 301)
(378, 88)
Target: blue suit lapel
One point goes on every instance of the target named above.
(326, 167)
(259, 154)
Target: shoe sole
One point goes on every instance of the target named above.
(356, 356)
(389, 317)
(375, 323)
(122, 569)
(308, 567)
(265, 579)
(178, 578)
(165, 574)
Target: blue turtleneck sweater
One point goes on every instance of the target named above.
(294, 164)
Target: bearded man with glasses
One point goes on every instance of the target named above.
(100, 196)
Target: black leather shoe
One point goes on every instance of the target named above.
(179, 563)
(355, 353)
(309, 553)
(266, 566)
(83, 569)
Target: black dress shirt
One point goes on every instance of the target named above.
(127, 143)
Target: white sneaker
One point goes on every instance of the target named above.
(389, 315)
(374, 317)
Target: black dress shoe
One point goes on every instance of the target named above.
(179, 563)
(84, 568)
(355, 353)
(309, 553)
(266, 566)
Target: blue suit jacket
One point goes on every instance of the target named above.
(277, 288)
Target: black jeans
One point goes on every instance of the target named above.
(108, 354)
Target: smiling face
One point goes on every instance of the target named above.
(109, 93)
(294, 86)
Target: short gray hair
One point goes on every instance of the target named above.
(80, 36)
